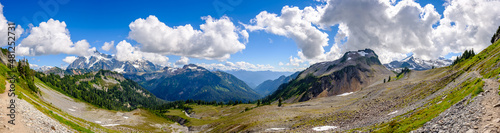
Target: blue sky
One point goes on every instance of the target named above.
(105, 21)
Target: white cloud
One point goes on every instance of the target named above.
(108, 46)
(126, 52)
(217, 39)
(70, 59)
(281, 64)
(4, 29)
(182, 61)
(32, 66)
(475, 22)
(294, 61)
(390, 28)
(241, 65)
(52, 37)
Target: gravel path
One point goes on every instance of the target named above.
(490, 122)
(479, 116)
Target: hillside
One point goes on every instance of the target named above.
(196, 83)
(354, 71)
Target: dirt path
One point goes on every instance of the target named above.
(5, 127)
(490, 121)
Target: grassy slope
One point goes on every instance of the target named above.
(485, 62)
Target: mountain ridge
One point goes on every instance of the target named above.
(98, 61)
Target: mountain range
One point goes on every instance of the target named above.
(269, 86)
(196, 83)
(254, 78)
(352, 72)
(417, 63)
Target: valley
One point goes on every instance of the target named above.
(411, 101)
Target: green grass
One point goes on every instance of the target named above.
(435, 107)
(69, 123)
(2, 84)
(3, 74)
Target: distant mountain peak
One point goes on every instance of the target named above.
(418, 64)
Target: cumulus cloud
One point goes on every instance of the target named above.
(474, 24)
(33, 66)
(4, 29)
(217, 39)
(294, 61)
(296, 24)
(52, 37)
(126, 52)
(108, 46)
(241, 65)
(390, 28)
(70, 59)
(182, 61)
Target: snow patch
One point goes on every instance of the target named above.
(274, 129)
(324, 128)
(394, 112)
(362, 53)
(135, 65)
(110, 125)
(119, 70)
(190, 67)
(349, 58)
(99, 122)
(71, 110)
(126, 117)
(171, 69)
(345, 94)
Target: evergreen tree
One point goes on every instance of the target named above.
(279, 102)
(389, 79)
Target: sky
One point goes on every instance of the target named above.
(278, 35)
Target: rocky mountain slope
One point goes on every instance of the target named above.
(418, 64)
(254, 78)
(354, 71)
(195, 82)
(269, 86)
(99, 61)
